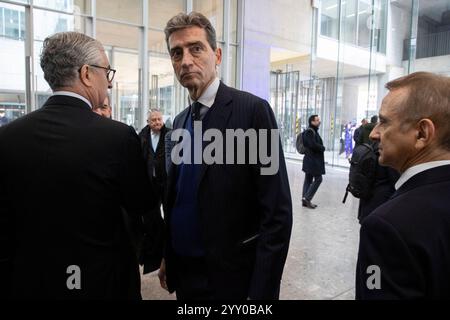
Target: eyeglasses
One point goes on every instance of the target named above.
(110, 73)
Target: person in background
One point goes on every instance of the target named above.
(313, 161)
(3, 119)
(358, 131)
(152, 138)
(365, 130)
(404, 249)
(104, 109)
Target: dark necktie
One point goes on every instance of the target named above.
(198, 111)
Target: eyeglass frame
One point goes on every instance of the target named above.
(108, 71)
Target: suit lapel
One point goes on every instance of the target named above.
(431, 176)
(218, 117)
(178, 124)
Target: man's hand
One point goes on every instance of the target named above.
(162, 275)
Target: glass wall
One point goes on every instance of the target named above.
(144, 77)
(12, 76)
(354, 48)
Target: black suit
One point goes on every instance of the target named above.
(69, 174)
(409, 239)
(237, 203)
(156, 169)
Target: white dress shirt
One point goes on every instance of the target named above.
(414, 170)
(155, 139)
(72, 94)
(209, 96)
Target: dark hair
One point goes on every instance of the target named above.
(428, 96)
(374, 119)
(193, 19)
(312, 118)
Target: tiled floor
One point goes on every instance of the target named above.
(322, 257)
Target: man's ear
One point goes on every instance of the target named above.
(218, 54)
(426, 133)
(86, 76)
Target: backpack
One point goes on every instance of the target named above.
(299, 142)
(363, 166)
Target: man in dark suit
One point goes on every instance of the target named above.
(229, 225)
(313, 161)
(152, 138)
(70, 174)
(404, 250)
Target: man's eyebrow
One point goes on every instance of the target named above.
(188, 44)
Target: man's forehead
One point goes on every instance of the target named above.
(155, 114)
(394, 100)
(187, 36)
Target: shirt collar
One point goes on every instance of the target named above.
(209, 96)
(72, 94)
(411, 172)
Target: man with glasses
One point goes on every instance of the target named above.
(71, 175)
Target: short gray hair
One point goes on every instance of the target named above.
(193, 19)
(64, 53)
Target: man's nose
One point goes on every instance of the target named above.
(374, 134)
(187, 58)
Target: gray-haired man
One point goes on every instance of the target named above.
(77, 171)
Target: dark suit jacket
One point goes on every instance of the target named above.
(69, 174)
(151, 253)
(155, 160)
(236, 203)
(313, 161)
(409, 239)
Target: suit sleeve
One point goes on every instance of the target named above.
(275, 207)
(6, 228)
(138, 199)
(383, 247)
(311, 143)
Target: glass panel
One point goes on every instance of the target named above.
(12, 106)
(47, 23)
(213, 10)
(364, 24)
(349, 15)
(160, 11)
(157, 42)
(329, 25)
(126, 100)
(12, 64)
(129, 11)
(233, 21)
(162, 87)
(119, 35)
(433, 35)
(232, 65)
(12, 23)
(70, 6)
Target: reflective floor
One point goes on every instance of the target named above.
(324, 244)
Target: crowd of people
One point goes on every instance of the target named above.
(94, 188)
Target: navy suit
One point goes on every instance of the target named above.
(67, 175)
(245, 218)
(408, 238)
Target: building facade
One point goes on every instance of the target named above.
(325, 57)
